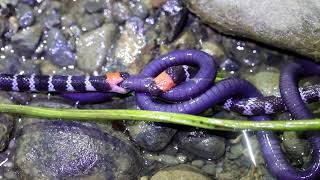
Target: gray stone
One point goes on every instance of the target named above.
(213, 48)
(198, 163)
(90, 21)
(24, 14)
(131, 48)
(30, 2)
(180, 172)
(296, 148)
(58, 50)
(93, 6)
(52, 18)
(150, 136)
(236, 151)
(172, 19)
(26, 40)
(230, 65)
(140, 10)
(202, 144)
(120, 12)
(58, 149)
(166, 159)
(6, 126)
(287, 24)
(2, 25)
(267, 82)
(11, 64)
(93, 46)
(209, 169)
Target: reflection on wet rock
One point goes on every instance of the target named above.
(67, 149)
(93, 46)
(58, 50)
(180, 172)
(131, 47)
(172, 19)
(26, 40)
(120, 12)
(90, 21)
(151, 137)
(202, 144)
(6, 126)
(25, 15)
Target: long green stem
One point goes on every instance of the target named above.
(152, 116)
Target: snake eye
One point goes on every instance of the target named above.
(124, 75)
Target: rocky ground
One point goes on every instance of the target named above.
(94, 36)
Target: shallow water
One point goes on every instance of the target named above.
(91, 37)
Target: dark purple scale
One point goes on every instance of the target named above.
(60, 83)
(6, 82)
(23, 83)
(41, 82)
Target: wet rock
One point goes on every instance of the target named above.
(240, 163)
(172, 19)
(131, 48)
(52, 18)
(236, 151)
(2, 25)
(48, 68)
(75, 31)
(210, 169)
(249, 54)
(267, 82)
(26, 40)
(153, 3)
(230, 65)
(150, 136)
(58, 50)
(186, 40)
(91, 21)
(213, 48)
(180, 172)
(285, 24)
(166, 159)
(201, 144)
(198, 163)
(24, 14)
(6, 126)
(9, 63)
(296, 147)
(30, 2)
(120, 12)
(57, 149)
(93, 6)
(140, 10)
(93, 46)
(12, 27)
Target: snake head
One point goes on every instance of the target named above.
(114, 79)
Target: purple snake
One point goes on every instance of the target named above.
(195, 94)
(270, 144)
(96, 89)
